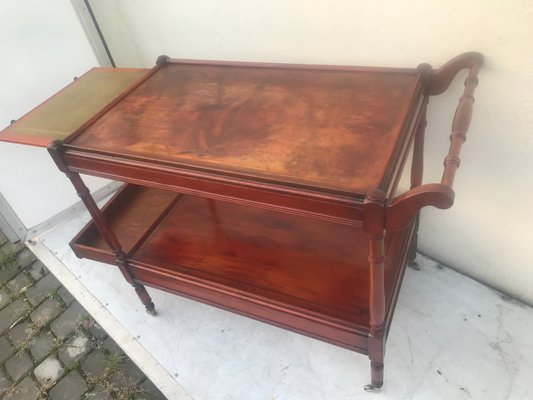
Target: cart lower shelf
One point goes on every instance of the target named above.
(306, 275)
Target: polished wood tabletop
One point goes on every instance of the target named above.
(324, 128)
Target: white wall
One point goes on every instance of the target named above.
(43, 47)
(487, 232)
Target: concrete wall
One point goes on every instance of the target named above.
(487, 233)
(43, 48)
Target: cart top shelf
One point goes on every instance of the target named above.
(332, 129)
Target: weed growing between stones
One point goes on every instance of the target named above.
(114, 381)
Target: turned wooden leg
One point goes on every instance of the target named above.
(411, 261)
(376, 371)
(376, 353)
(122, 263)
(417, 172)
(374, 227)
(55, 150)
(145, 298)
(417, 166)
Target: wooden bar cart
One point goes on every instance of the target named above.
(269, 190)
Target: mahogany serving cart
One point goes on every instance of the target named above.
(269, 190)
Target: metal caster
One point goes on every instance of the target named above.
(151, 310)
(371, 388)
(414, 265)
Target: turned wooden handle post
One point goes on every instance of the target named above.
(461, 123)
(403, 208)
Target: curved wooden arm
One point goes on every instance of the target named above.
(403, 208)
(441, 78)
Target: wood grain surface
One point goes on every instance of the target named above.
(316, 127)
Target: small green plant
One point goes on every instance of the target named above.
(127, 389)
(114, 381)
(31, 331)
(22, 346)
(54, 294)
(58, 342)
(112, 362)
(9, 391)
(43, 391)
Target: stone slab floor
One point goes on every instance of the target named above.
(50, 347)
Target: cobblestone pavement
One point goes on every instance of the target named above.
(50, 347)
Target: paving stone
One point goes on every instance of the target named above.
(150, 392)
(111, 346)
(7, 272)
(25, 390)
(65, 295)
(127, 369)
(131, 370)
(37, 270)
(5, 384)
(72, 351)
(20, 332)
(42, 289)
(49, 371)
(94, 364)
(71, 387)
(12, 313)
(4, 298)
(42, 345)
(69, 321)
(47, 311)
(19, 283)
(18, 365)
(98, 393)
(5, 349)
(25, 258)
(97, 331)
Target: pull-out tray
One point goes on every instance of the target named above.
(307, 275)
